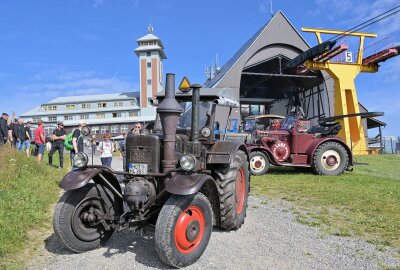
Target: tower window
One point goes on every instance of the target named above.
(149, 64)
(148, 82)
(148, 53)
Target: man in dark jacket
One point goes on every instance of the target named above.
(3, 128)
(19, 134)
(58, 137)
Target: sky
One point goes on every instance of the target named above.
(77, 47)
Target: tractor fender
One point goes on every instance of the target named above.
(79, 178)
(185, 184)
(223, 152)
(314, 145)
(264, 150)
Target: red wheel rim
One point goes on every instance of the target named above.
(189, 229)
(240, 190)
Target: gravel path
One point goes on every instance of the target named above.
(270, 239)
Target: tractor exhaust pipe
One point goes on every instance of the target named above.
(169, 111)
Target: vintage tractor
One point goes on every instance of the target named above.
(179, 180)
(296, 144)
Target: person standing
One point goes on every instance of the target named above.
(40, 140)
(122, 151)
(106, 148)
(77, 143)
(137, 127)
(11, 133)
(19, 134)
(94, 145)
(59, 135)
(3, 128)
(28, 138)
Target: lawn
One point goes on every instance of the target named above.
(27, 191)
(363, 203)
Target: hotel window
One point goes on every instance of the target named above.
(102, 105)
(36, 119)
(84, 116)
(48, 131)
(124, 128)
(104, 129)
(85, 106)
(52, 118)
(50, 108)
(133, 102)
(118, 104)
(133, 114)
(116, 115)
(115, 129)
(100, 115)
(149, 64)
(68, 117)
(70, 107)
(95, 130)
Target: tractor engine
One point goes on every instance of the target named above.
(139, 191)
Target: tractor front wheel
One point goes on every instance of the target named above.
(259, 163)
(183, 229)
(233, 187)
(330, 158)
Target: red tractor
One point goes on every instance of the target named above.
(294, 143)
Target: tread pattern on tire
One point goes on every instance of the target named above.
(165, 223)
(63, 229)
(321, 148)
(226, 178)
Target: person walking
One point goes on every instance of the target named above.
(40, 140)
(94, 145)
(28, 138)
(19, 134)
(106, 148)
(77, 143)
(58, 138)
(3, 128)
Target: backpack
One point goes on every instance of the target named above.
(68, 141)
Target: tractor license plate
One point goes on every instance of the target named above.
(137, 168)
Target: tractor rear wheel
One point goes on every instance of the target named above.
(183, 229)
(330, 158)
(259, 163)
(233, 184)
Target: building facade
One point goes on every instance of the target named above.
(109, 113)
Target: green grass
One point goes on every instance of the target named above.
(363, 203)
(27, 191)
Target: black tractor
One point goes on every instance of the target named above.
(179, 179)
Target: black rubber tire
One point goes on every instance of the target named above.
(317, 165)
(64, 212)
(165, 229)
(263, 156)
(226, 183)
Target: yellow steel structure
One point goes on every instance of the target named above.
(346, 101)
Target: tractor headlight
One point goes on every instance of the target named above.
(81, 160)
(188, 162)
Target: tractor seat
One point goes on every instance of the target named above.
(326, 129)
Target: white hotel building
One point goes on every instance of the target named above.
(110, 113)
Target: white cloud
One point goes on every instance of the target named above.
(56, 83)
(349, 13)
(97, 3)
